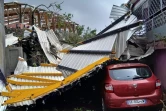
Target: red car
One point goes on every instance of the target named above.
(131, 85)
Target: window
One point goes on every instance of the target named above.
(130, 73)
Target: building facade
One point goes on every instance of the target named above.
(153, 12)
(19, 15)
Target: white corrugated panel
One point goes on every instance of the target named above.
(59, 78)
(10, 39)
(17, 87)
(54, 41)
(45, 45)
(21, 66)
(42, 69)
(133, 51)
(79, 61)
(103, 44)
(148, 53)
(132, 19)
(121, 44)
(118, 11)
(2, 99)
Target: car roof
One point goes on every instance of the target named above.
(125, 65)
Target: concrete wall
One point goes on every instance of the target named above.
(2, 38)
(160, 66)
(12, 54)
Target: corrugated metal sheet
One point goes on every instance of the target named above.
(21, 66)
(117, 12)
(104, 44)
(133, 51)
(59, 78)
(128, 20)
(2, 98)
(78, 61)
(45, 45)
(41, 69)
(54, 41)
(148, 53)
(121, 40)
(27, 80)
(17, 87)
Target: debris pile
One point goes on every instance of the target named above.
(38, 46)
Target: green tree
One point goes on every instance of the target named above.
(89, 33)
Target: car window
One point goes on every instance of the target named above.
(130, 73)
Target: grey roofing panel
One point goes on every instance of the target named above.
(104, 44)
(117, 12)
(79, 61)
(114, 8)
(121, 44)
(42, 35)
(53, 39)
(134, 51)
(127, 21)
(148, 53)
(66, 72)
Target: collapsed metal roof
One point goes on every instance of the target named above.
(99, 47)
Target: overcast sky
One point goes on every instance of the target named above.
(92, 13)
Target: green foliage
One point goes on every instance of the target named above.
(81, 33)
(160, 37)
(80, 29)
(68, 17)
(89, 33)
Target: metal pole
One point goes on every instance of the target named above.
(2, 37)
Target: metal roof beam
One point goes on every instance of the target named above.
(113, 32)
(113, 24)
(90, 52)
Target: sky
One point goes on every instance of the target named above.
(91, 13)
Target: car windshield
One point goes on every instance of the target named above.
(130, 73)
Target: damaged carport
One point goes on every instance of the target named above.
(81, 61)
